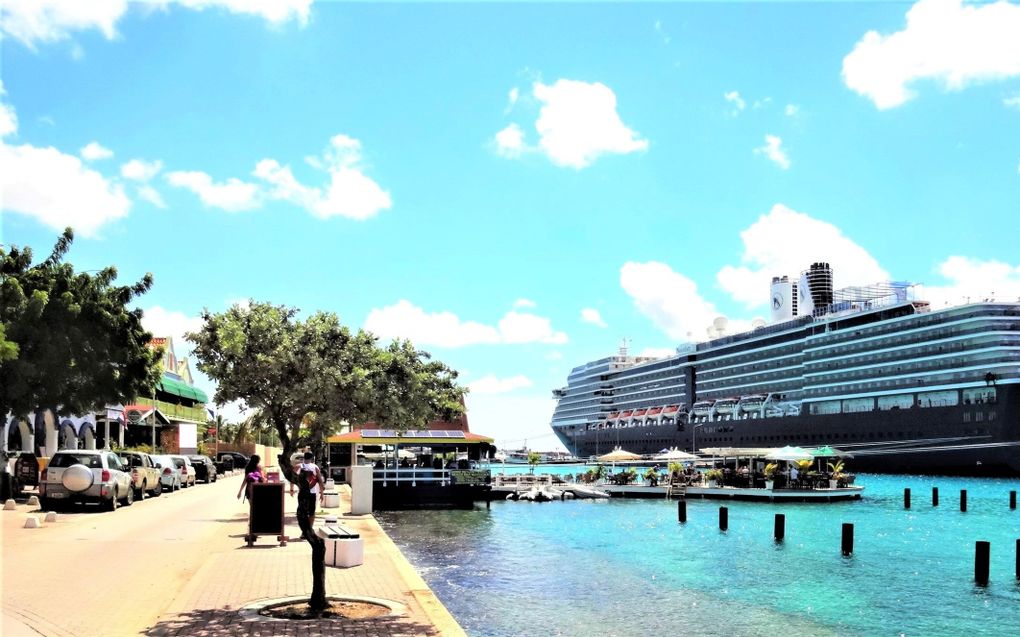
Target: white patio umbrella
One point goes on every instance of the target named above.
(619, 455)
(675, 454)
(790, 454)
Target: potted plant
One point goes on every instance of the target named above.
(770, 474)
(716, 475)
(836, 473)
(652, 476)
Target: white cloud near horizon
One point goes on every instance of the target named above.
(490, 384)
(786, 242)
(670, 299)
(445, 329)
(591, 315)
(522, 302)
(971, 279)
(577, 123)
(774, 152)
(944, 41)
(94, 151)
(232, 195)
(34, 22)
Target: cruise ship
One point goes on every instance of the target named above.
(871, 370)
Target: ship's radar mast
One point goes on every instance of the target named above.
(624, 342)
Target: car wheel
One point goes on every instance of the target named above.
(159, 488)
(129, 499)
(140, 493)
(111, 504)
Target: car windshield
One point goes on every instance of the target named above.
(64, 460)
(179, 462)
(198, 459)
(134, 461)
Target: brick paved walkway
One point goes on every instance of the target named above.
(235, 575)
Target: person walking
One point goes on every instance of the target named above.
(310, 473)
(252, 475)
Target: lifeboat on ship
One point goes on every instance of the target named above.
(725, 406)
(702, 407)
(751, 404)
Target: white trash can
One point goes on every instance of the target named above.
(331, 500)
(344, 549)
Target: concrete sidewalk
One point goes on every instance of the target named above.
(234, 575)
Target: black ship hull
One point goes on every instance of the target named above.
(966, 439)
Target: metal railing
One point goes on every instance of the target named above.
(194, 414)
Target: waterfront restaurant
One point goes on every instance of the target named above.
(441, 470)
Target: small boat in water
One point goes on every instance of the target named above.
(583, 492)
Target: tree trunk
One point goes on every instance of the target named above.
(305, 513)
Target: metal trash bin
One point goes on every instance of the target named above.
(344, 548)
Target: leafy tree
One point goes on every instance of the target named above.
(303, 375)
(533, 460)
(68, 341)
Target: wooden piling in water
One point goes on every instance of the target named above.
(1012, 499)
(847, 543)
(1018, 559)
(934, 496)
(906, 498)
(681, 511)
(779, 529)
(982, 555)
(963, 500)
(724, 518)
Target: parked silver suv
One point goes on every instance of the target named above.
(85, 475)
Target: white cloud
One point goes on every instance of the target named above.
(669, 298)
(657, 352)
(762, 103)
(512, 418)
(662, 33)
(446, 329)
(273, 11)
(510, 141)
(8, 118)
(791, 110)
(150, 194)
(974, 280)
(591, 315)
(349, 192)
(524, 303)
(577, 123)
(773, 150)
(140, 170)
(94, 151)
(232, 195)
(58, 190)
(733, 97)
(46, 21)
(944, 41)
(512, 97)
(786, 242)
(553, 356)
(1012, 101)
(492, 385)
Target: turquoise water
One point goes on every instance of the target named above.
(626, 567)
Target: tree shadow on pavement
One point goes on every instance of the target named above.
(228, 623)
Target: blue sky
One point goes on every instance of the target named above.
(515, 187)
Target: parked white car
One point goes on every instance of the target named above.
(169, 474)
(86, 475)
(189, 476)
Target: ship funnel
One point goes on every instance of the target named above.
(815, 294)
(783, 299)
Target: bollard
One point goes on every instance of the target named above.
(963, 500)
(1018, 559)
(33, 501)
(982, 553)
(1012, 499)
(934, 496)
(681, 511)
(779, 530)
(10, 505)
(724, 518)
(32, 522)
(50, 517)
(847, 543)
(906, 498)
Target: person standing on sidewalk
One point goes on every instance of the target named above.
(312, 476)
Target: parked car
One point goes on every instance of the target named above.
(205, 468)
(86, 475)
(239, 459)
(186, 470)
(144, 473)
(169, 474)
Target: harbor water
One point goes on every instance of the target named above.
(627, 567)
